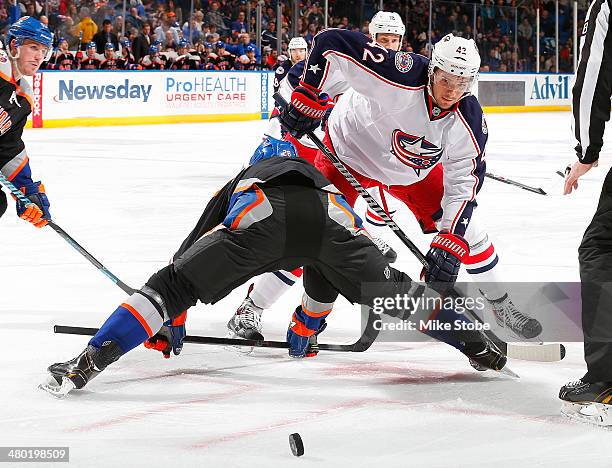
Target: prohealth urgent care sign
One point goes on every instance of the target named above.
(72, 98)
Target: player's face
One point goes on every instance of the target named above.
(297, 55)
(31, 55)
(389, 41)
(447, 88)
(90, 52)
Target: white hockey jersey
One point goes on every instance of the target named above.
(386, 126)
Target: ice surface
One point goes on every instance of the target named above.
(131, 194)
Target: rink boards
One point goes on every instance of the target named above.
(91, 98)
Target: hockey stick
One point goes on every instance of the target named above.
(506, 348)
(364, 342)
(537, 190)
(64, 235)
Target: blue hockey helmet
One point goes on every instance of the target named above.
(251, 48)
(271, 147)
(220, 45)
(32, 29)
(125, 43)
(109, 46)
(183, 44)
(153, 49)
(91, 45)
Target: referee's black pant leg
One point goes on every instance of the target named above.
(595, 256)
(3, 203)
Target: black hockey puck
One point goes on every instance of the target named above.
(296, 444)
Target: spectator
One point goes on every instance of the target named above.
(142, 43)
(191, 32)
(214, 17)
(494, 59)
(240, 26)
(244, 40)
(169, 43)
(14, 13)
(166, 26)
(105, 36)
(134, 19)
(86, 26)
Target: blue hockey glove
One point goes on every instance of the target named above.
(36, 212)
(446, 253)
(170, 337)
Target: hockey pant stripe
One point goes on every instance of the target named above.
(314, 308)
(130, 324)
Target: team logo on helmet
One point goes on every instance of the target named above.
(403, 62)
(415, 152)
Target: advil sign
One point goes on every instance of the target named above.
(547, 89)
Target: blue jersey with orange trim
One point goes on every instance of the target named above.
(386, 125)
(15, 106)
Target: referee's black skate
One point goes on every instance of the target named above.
(589, 402)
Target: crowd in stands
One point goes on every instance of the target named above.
(220, 35)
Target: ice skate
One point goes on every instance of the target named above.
(64, 377)
(510, 318)
(487, 358)
(245, 323)
(589, 403)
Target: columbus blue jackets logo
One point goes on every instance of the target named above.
(403, 62)
(414, 151)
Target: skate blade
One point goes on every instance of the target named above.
(51, 386)
(509, 372)
(597, 414)
(244, 350)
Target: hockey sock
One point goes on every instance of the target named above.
(269, 287)
(130, 324)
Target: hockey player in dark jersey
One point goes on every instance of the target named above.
(63, 59)
(223, 60)
(110, 61)
(185, 60)
(280, 212)
(90, 61)
(155, 60)
(28, 45)
(126, 55)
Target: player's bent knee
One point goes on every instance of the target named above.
(175, 292)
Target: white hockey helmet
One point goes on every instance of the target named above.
(298, 43)
(387, 22)
(457, 56)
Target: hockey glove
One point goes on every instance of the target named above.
(169, 337)
(36, 212)
(301, 329)
(305, 112)
(446, 253)
(313, 344)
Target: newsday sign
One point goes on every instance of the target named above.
(64, 98)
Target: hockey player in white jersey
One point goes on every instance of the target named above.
(413, 126)
(387, 28)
